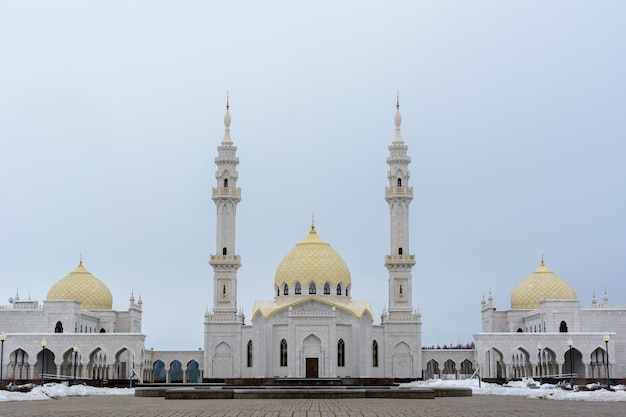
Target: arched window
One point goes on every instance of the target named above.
(283, 352)
(250, 354)
(285, 289)
(375, 354)
(519, 330)
(224, 251)
(102, 330)
(399, 251)
(193, 372)
(159, 374)
(59, 327)
(338, 289)
(298, 288)
(225, 182)
(341, 353)
(224, 289)
(563, 327)
(400, 289)
(277, 292)
(327, 288)
(176, 371)
(347, 292)
(399, 182)
(312, 288)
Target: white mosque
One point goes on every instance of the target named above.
(312, 328)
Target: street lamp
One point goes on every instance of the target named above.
(570, 343)
(607, 338)
(75, 349)
(3, 337)
(539, 347)
(44, 343)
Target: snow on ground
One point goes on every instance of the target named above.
(530, 389)
(54, 391)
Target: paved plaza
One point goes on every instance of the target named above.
(479, 405)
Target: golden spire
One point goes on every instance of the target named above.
(398, 100)
(227, 101)
(313, 224)
(81, 260)
(542, 264)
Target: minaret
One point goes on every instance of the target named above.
(226, 196)
(399, 195)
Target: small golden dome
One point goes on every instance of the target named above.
(81, 286)
(313, 260)
(542, 284)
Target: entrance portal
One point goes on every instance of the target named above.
(311, 368)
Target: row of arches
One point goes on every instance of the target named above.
(449, 370)
(47, 364)
(547, 363)
(312, 289)
(176, 373)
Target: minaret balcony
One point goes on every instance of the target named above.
(400, 259)
(225, 260)
(227, 192)
(399, 192)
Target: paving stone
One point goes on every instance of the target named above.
(476, 406)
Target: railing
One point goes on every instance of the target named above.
(403, 258)
(227, 191)
(225, 258)
(399, 190)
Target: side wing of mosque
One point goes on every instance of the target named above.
(312, 328)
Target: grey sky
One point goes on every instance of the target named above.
(111, 111)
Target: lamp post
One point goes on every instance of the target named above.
(44, 343)
(75, 349)
(607, 338)
(539, 347)
(3, 337)
(570, 343)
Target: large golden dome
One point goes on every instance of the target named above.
(312, 260)
(81, 286)
(542, 284)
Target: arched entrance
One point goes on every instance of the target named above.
(574, 365)
(432, 369)
(312, 349)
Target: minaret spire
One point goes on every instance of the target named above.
(227, 140)
(398, 121)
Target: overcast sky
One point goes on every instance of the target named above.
(111, 112)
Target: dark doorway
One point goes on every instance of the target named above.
(311, 368)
